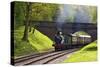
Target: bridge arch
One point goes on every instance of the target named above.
(90, 32)
(50, 28)
(81, 33)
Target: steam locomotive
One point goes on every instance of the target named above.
(73, 41)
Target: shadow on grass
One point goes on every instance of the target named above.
(91, 49)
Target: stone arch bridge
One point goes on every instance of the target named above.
(50, 28)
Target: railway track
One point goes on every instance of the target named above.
(30, 57)
(43, 58)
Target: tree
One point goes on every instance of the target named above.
(41, 12)
(28, 10)
(25, 13)
(19, 14)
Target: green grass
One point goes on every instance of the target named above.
(87, 53)
(37, 42)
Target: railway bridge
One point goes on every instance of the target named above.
(50, 28)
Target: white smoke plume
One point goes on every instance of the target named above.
(72, 13)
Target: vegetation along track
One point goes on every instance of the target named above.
(44, 58)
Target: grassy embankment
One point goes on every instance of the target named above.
(87, 53)
(37, 42)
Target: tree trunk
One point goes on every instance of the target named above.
(30, 28)
(34, 29)
(25, 36)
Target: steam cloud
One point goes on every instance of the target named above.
(82, 15)
(70, 13)
(65, 12)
